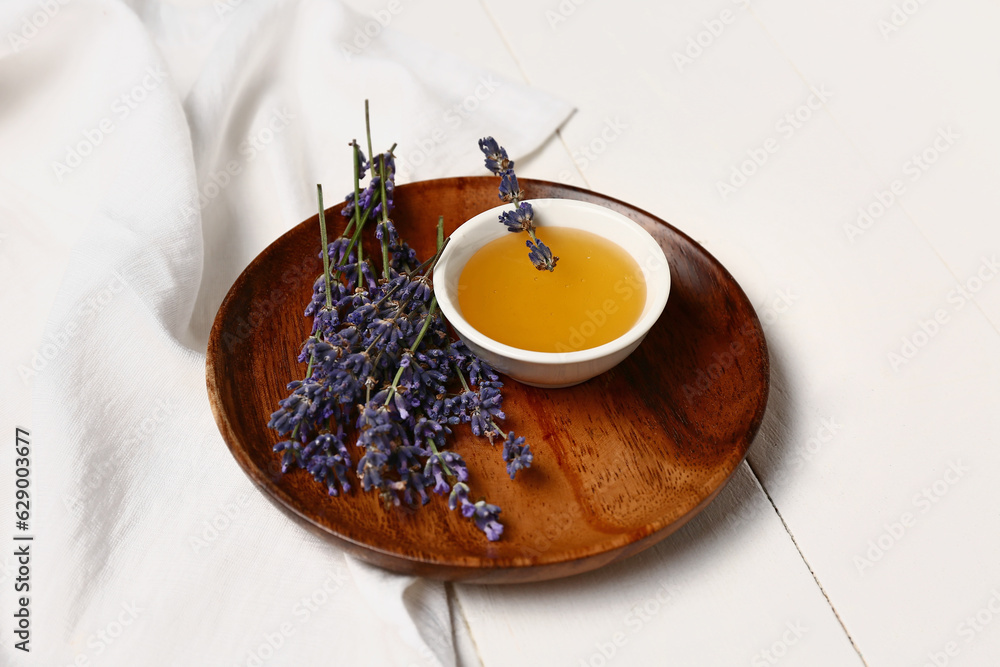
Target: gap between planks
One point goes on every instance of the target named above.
(822, 590)
(756, 476)
(527, 80)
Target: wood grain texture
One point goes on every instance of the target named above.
(621, 461)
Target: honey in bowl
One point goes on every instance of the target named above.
(596, 293)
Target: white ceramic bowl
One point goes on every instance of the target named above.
(554, 369)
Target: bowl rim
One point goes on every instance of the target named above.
(656, 300)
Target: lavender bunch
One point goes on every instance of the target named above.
(380, 359)
(522, 218)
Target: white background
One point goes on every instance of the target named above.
(865, 526)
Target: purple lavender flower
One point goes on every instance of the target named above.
(387, 230)
(510, 191)
(328, 461)
(434, 472)
(419, 378)
(381, 359)
(370, 469)
(385, 167)
(363, 198)
(351, 272)
(419, 289)
(482, 513)
(445, 464)
(429, 431)
(403, 258)
(541, 256)
(496, 156)
(413, 481)
(337, 251)
(325, 321)
(521, 219)
(292, 454)
(485, 516)
(361, 162)
(517, 455)
(456, 464)
(459, 499)
(482, 374)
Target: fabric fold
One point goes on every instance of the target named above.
(157, 549)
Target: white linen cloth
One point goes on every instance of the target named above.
(149, 153)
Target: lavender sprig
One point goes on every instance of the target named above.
(383, 370)
(522, 218)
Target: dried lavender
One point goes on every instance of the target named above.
(521, 219)
(381, 360)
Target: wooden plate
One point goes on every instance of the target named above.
(621, 461)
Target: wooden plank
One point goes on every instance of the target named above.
(728, 589)
(633, 140)
(921, 430)
(850, 445)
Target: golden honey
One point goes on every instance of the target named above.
(596, 293)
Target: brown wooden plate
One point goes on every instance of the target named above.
(621, 461)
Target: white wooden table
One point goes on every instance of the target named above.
(840, 160)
